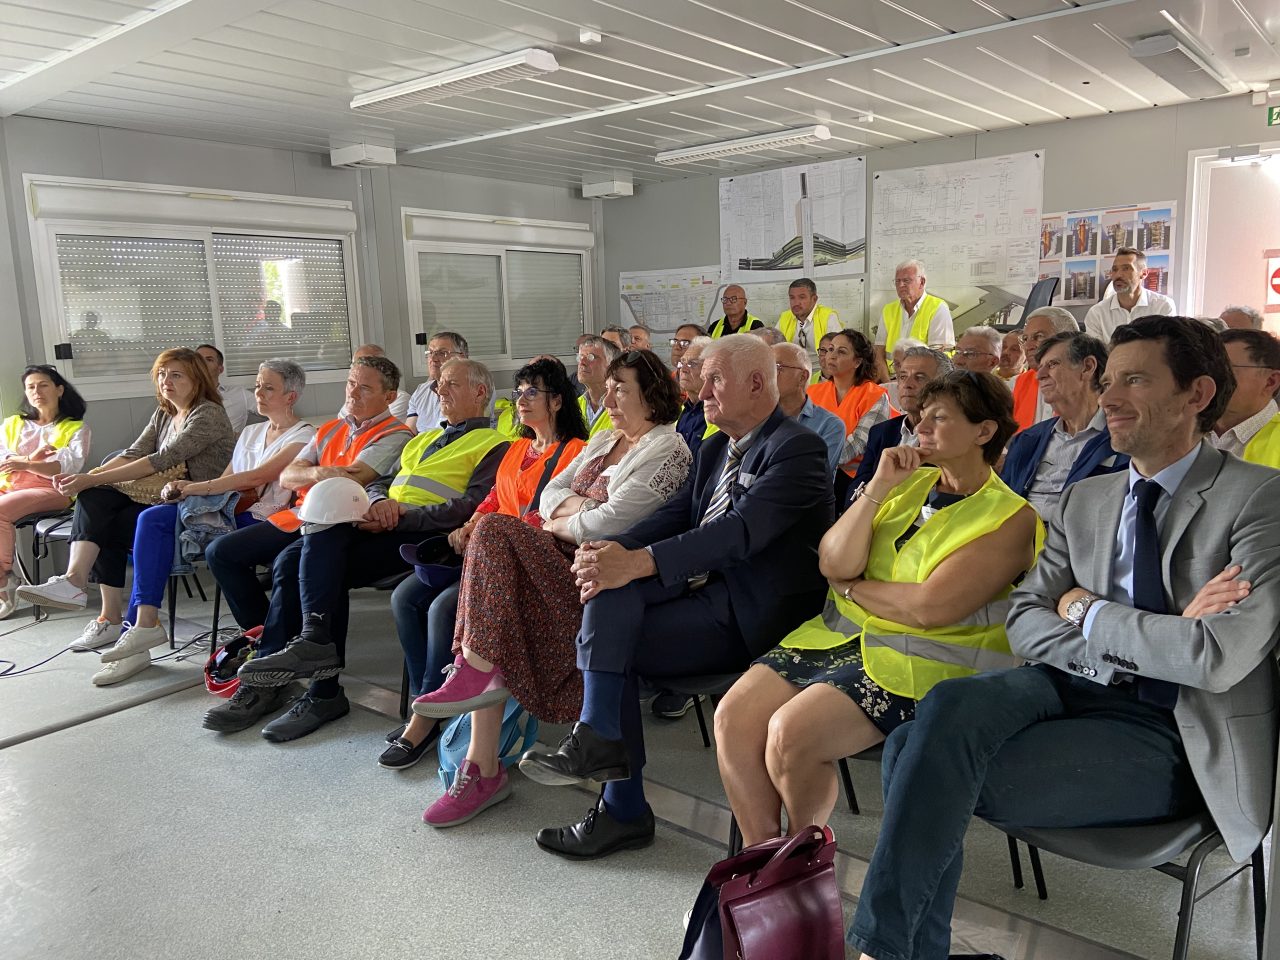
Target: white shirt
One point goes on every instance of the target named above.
(252, 451)
(805, 326)
(236, 401)
(1103, 317)
(1238, 437)
(942, 332)
(32, 437)
(908, 434)
(425, 405)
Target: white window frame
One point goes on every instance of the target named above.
(439, 231)
(108, 208)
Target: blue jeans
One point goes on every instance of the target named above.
(1030, 747)
(425, 621)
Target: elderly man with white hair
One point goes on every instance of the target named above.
(705, 584)
(1029, 407)
(978, 349)
(914, 314)
(1238, 317)
(794, 371)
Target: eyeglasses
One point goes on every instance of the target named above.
(1034, 338)
(679, 343)
(441, 354)
(970, 354)
(824, 351)
(731, 299)
(1251, 366)
(790, 366)
(689, 364)
(589, 357)
(526, 393)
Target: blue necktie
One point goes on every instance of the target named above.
(720, 500)
(1148, 584)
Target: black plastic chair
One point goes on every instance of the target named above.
(1155, 846)
(44, 526)
(712, 686)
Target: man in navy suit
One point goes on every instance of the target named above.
(1048, 457)
(714, 578)
(917, 367)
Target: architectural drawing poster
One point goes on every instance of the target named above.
(807, 220)
(1079, 245)
(664, 299)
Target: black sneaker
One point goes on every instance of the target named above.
(246, 707)
(671, 706)
(308, 714)
(309, 656)
(402, 754)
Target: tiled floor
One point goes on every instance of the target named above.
(126, 830)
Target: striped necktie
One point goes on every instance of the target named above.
(719, 504)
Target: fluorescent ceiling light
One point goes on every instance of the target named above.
(1177, 64)
(728, 148)
(458, 81)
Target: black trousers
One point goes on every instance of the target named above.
(106, 517)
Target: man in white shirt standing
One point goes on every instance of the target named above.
(915, 314)
(235, 399)
(1128, 299)
(424, 406)
(1255, 361)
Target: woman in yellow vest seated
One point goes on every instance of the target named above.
(47, 436)
(519, 610)
(920, 568)
(551, 435)
(853, 395)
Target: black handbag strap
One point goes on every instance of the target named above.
(548, 471)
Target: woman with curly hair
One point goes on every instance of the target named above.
(519, 610)
(853, 395)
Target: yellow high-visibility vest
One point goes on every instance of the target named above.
(909, 660)
(721, 327)
(59, 437)
(892, 315)
(788, 324)
(1264, 448)
(445, 474)
(602, 421)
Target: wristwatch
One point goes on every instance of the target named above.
(1077, 609)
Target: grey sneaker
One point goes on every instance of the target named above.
(308, 714)
(246, 707)
(309, 656)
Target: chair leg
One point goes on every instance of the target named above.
(1037, 872)
(404, 693)
(702, 720)
(217, 611)
(200, 588)
(173, 611)
(1190, 883)
(1015, 862)
(849, 793)
(1259, 898)
(186, 585)
(735, 836)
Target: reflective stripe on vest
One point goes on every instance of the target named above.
(893, 313)
(444, 474)
(907, 660)
(59, 437)
(788, 324)
(721, 327)
(1264, 448)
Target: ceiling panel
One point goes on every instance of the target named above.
(668, 73)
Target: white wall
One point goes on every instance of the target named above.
(1090, 162)
(29, 145)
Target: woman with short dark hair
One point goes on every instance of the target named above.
(519, 609)
(46, 437)
(920, 568)
(189, 429)
(853, 395)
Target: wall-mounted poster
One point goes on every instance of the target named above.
(1079, 245)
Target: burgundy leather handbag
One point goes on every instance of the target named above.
(779, 900)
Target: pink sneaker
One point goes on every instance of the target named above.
(470, 795)
(465, 689)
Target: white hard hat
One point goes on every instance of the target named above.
(333, 501)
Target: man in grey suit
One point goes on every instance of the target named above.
(1151, 617)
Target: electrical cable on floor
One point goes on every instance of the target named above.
(9, 668)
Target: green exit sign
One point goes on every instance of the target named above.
(1273, 116)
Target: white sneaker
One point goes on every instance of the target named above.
(8, 595)
(136, 640)
(97, 633)
(119, 670)
(57, 592)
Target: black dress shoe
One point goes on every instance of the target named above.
(597, 835)
(582, 756)
(401, 754)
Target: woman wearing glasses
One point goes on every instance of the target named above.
(519, 609)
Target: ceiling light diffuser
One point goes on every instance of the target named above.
(458, 81)
(728, 148)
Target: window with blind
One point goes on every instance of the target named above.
(125, 299)
(281, 297)
(544, 301)
(462, 292)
